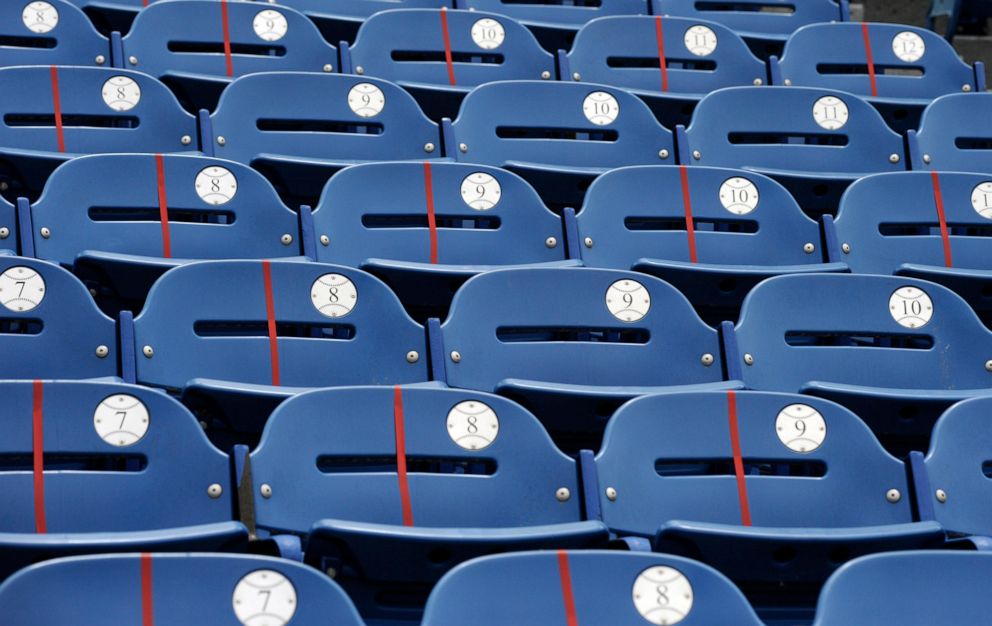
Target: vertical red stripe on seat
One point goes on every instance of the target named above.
(163, 206)
(571, 618)
(225, 26)
(659, 34)
(938, 200)
(38, 456)
(735, 445)
(147, 607)
(57, 107)
(690, 227)
(270, 315)
(869, 58)
(400, 432)
(447, 45)
(431, 219)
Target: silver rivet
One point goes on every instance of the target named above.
(846, 248)
(893, 495)
(545, 75)
(412, 356)
(788, 82)
(696, 154)
(809, 248)
(221, 141)
(748, 359)
(359, 70)
(325, 240)
(758, 82)
(92, 291)
(663, 153)
(286, 239)
(966, 88)
(4, 186)
(706, 359)
(988, 365)
(215, 490)
(100, 59)
(328, 68)
(428, 147)
(266, 491)
(456, 356)
(551, 242)
(463, 147)
(4, 232)
(563, 494)
(46, 232)
(185, 140)
(927, 158)
(133, 60)
(576, 76)
(148, 352)
(331, 572)
(102, 351)
(941, 496)
(893, 158)
(588, 242)
(611, 494)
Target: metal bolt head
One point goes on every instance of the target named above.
(328, 68)
(563, 494)
(266, 491)
(576, 76)
(215, 490)
(325, 240)
(4, 232)
(748, 359)
(788, 82)
(286, 239)
(4, 186)
(988, 365)
(46, 232)
(463, 147)
(412, 356)
(809, 248)
(758, 82)
(100, 59)
(331, 572)
(706, 359)
(102, 351)
(696, 154)
(551, 242)
(588, 242)
(133, 60)
(894, 158)
(429, 147)
(221, 140)
(966, 88)
(185, 140)
(611, 494)
(663, 153)
(846, 248)
(893, 495)
(545, 75)
(456, 356)
(927, 158)
(359, 70)
(148, 352)
(941, 496)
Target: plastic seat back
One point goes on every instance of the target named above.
(576, 326)
(556, 13)
(955, 134)
(51, 32)
(286, 323)
(409, 46)
(219, 589)
(49, 325)
(800, 456)
(699, 56)
(357, 10)
(757, 18)
(622, 588)
(188, 37)
(114, 203)
(116, 458)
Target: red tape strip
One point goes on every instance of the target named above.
(447, 45)
(163, 206)
(227, 38)
(938, 200)
(147, 608)
(38, 457)
(57, 107)
(400, 430)
(270, 315)
(690, 227)
(566, 589)
(735, 444)
(871, 61)
(659, 34)
(431, 219)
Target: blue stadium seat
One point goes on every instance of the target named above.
(116, 468)
(8, 228)
(899, 69)
(897, 351)
(433, 226)
(587, 587)
(197, 588)
(345, 485)
(954, 135)
(103, 216)
(572, 344)
(49, 325)
(198, 46)
(813, 141)
(558, 135)
(698, 57)
(745, 228)
(49, 32)
(341, 19)
(411, 48)
(299, 128)
(52, 114)
(248, 334)
(915, 588)
(895, 224)
(769, 488)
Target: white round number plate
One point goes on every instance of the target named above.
(216, 185)
(481, 191)
(800, 428)
(662, 595)
(911, 307)
(270, 25)
(628, 300)
(981, 199)
(472, 425)
(121, 93)
(601, 108)
(830, 113)
(264, 598)
(121, 420)
(333, 295)
(908, 46)
(700, 40)
(366, 100)
(21, 289)
(488, 34)
(40, 17)
(739, 195)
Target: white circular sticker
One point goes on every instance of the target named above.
(270, 25)
(911, 307)
(801, 428)
(366, 100)
(216, 185)
(472, 425)
(21, 289)
(264, 598)
(628, 300)
(908, 46)
(739, 195)
(121, 93)
(700, 40)
(662, 595)
(333, 295)
(121, 420)
(601, 108)
(40, 17)
(481, 191)
(488, 34)
(830, 113)
(981, 199)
